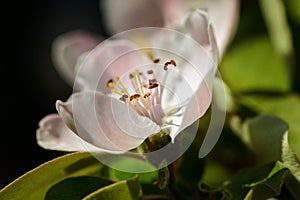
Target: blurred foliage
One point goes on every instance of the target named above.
(257, 155)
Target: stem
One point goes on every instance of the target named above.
(172, 184)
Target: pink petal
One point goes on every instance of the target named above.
(68, 47)
(109, 59)
(199, 72)
(121, 15)
(198, 26)
(194, 53)
(197, 106)
(55, 135)
(106, 122)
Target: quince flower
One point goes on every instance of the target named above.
(136, 85)
(122, 15)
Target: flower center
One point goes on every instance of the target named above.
(147, 94)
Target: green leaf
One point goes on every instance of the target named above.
(271, 186)
(253, 65)
(259, 182)
(284, 107)
(214, 173)
(132, 163)
(292, 185)
(75, 188)
(127, 190)
(116, 175)
(275, 17)
(35, 183)
(289, 159)
(263, 135)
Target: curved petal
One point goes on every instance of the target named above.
(197, 106)
(106, 122)
(199, 27)
(198, 72)
(109, 59)
(68, 47)
(121, 15)
(55, 135)
(224, 15)
(195, 53)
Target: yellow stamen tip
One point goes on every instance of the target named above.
(117, 78)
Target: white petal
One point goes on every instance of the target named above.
(196, 60)
(190, 82)
(108, 123)
(197, 106)
(224, 15)
(68, 47)
(53, 134)
(109, 59)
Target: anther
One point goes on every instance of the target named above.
(124, 97)
(110, 83)
(147, 95)
(151, 81)
(153, 85)
(172, 62)
(150, 71)
(156, 60)
(134, 96)
(166, 65)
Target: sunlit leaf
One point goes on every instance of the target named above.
(117, 175)
(126, 190)
(35, 183)
(253, 65)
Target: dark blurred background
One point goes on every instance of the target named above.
(30, 83)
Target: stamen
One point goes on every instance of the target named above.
(137, 82)
(150, 71)
(124, 97)
(109, 83)
(152, 81)
(134, 96)
(116, 92)
(137, 106)
(166, 65)
(153, 85)
(156, 60)
(171, 62)
(147, 95)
